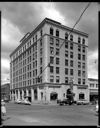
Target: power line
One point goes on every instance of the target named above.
(48, 65)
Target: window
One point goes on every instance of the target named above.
(66, 53)
(51, 31)
(83, 73)
(36, 37)
(79, 40)
(71, 37)
(66, 62)
(57, 33)
(92, 85)
(83, 57)
(71, 46)
(57, 42)
(57, 70)
(51, 40)
(71, 54)
(66, 36)
(66, 80)
(79, 48)
(71, 71)
(51, 59)
(66, 71)
(81, 96)
(57, 51)
(83, 41)
(71, 63)
(40, 42)
(51, 69)
(57, 60)
(79, 56)
(40, 69)
(66, 44)
(57, 79)
(83, 66)
(41, 52)
(40, 61)
(79, 80)
(84, 49)
(79, 64)
(51, 50)
(83, 81)
(79, 72)
(51, 79)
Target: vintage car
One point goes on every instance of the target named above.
(82, 102)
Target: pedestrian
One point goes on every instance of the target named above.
(3, 108)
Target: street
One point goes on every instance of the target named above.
(41, 114)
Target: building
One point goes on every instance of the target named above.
(93, 89)
(48, 61)
(5, 92)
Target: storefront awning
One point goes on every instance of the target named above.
(93, 93)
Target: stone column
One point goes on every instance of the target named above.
(18, 94)
(22, 94)
(27, 92)
(32, 94)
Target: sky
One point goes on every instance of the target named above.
(18, 18)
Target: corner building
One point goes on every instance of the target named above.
(67, 54)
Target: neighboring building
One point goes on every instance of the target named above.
(5, 92)
(93, 88)
(68, 63)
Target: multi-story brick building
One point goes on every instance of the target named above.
(56, 57)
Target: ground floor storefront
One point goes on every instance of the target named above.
(49, 92)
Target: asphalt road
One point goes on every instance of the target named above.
(39, 114)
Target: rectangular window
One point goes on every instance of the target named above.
(79, 56)
(66, 44)
(71, 46)
(79, 48)
(83, 57)
(84, 49)
(66, 53)
(51, 69)
(79, 80)
(83, 65)
(51, 50)
(40, 69)
(71, 72)
(57, 42)
(83, 73)
(57, 33)
(79, 64)
(51, 40)
(57, 51)
(71, 63)
(83, 81)
(66, 80)
(57, 79)
(57, 70)
(41, 52)
(57, 60)
(51, 79)
(40, 42)
(40, 61)
(51, 59)
(79, 72)
(66, 62)
(66, 71)
(71, 54)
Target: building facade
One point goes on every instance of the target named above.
(5, 92)
(93, 89)
(48, 61)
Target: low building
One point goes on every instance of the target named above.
(93, 88)
(5, 92)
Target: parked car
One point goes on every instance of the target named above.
(18, 101)
(82, 102)
(65, 102)
(97, 107)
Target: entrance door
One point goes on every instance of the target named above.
(53, 96)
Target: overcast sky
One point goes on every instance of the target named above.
(18, 18)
